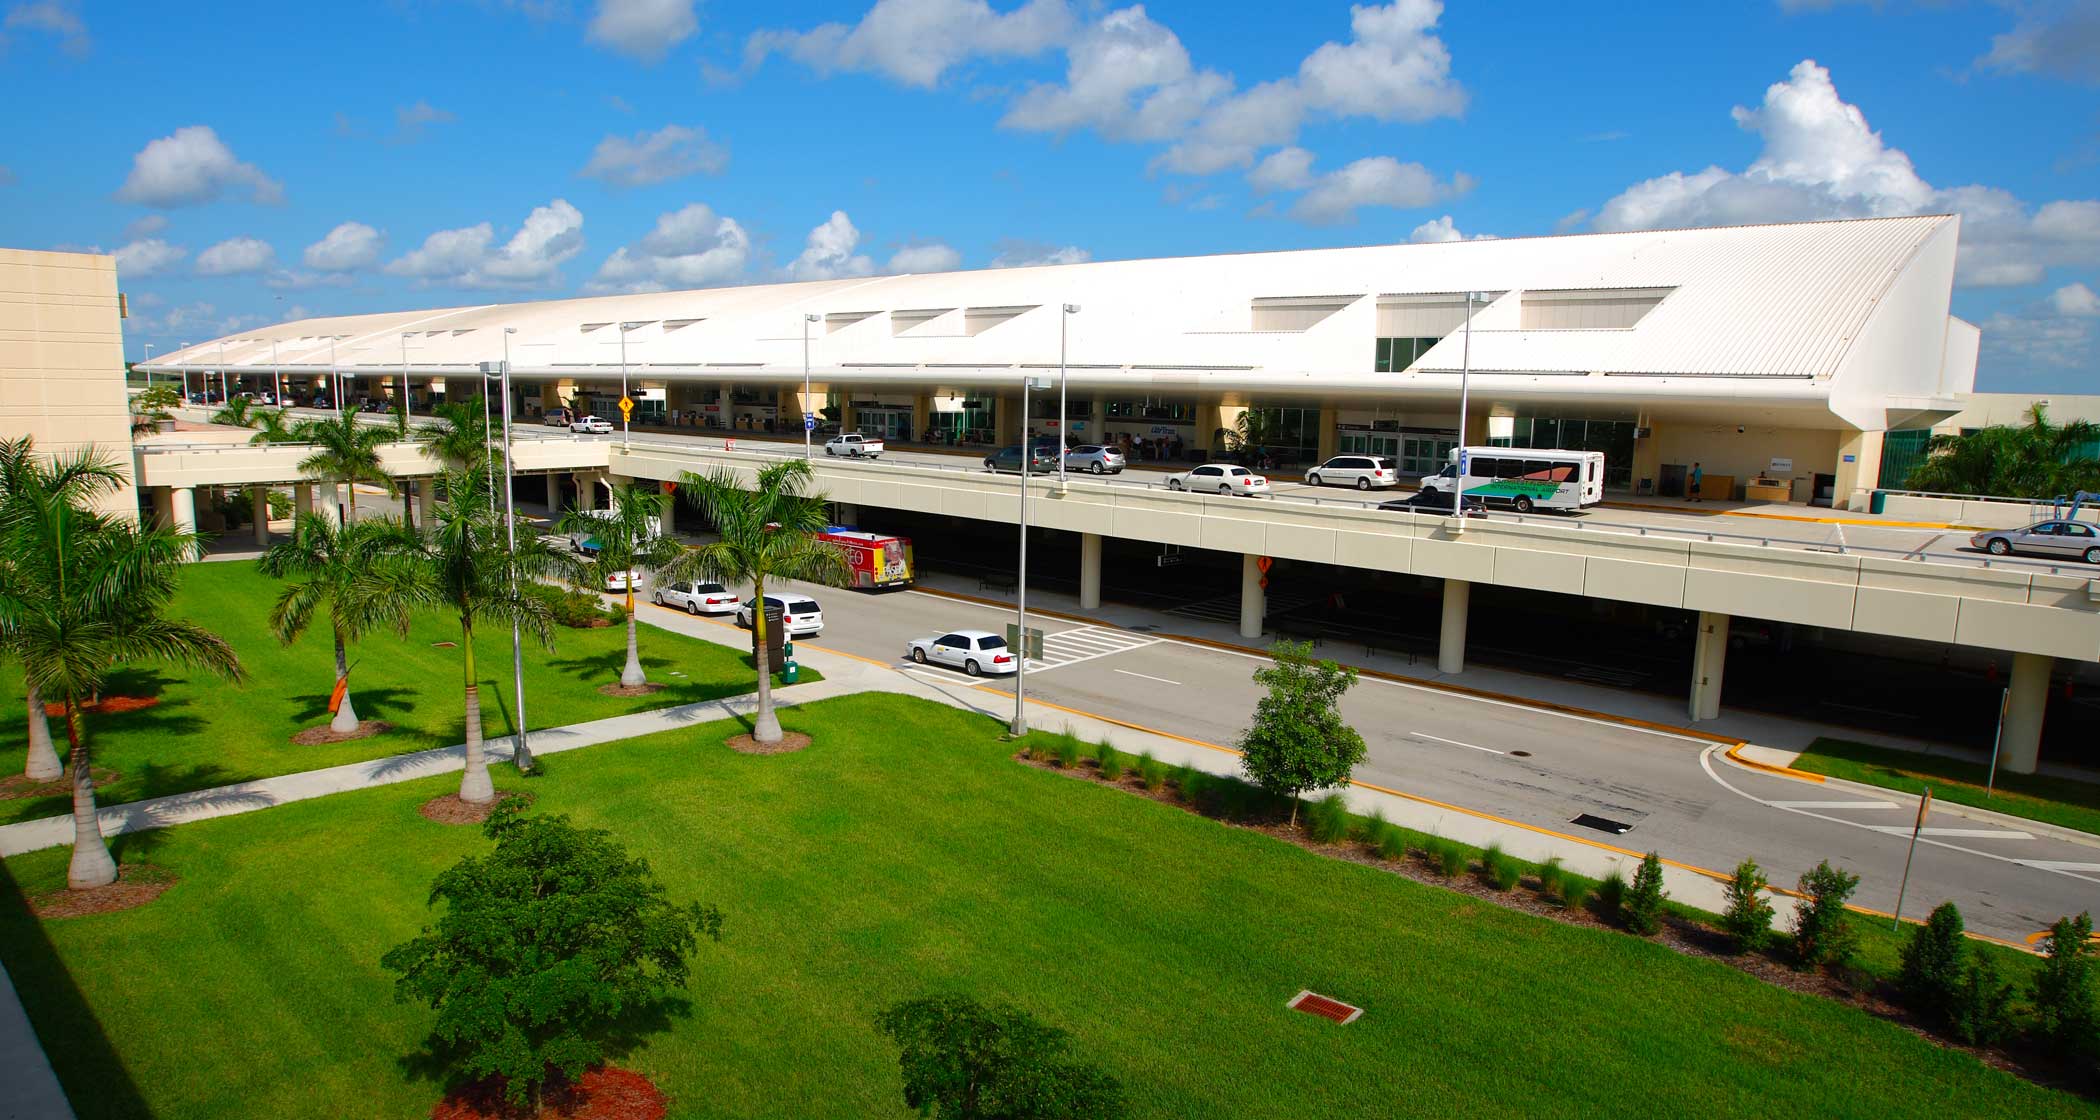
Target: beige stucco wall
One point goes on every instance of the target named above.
(1719, 449)
(62, 357)
(1987, 410)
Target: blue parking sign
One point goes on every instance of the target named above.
(809, 421)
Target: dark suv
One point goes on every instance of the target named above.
(1008, 459)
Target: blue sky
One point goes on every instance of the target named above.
(248, 164)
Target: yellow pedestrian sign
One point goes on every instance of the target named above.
(626, 409)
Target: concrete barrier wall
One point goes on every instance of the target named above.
(1959, 511)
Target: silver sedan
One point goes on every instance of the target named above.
(2074, 539)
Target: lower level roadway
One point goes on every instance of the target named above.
(1676, 794)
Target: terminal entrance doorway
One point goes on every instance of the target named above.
(888, 423)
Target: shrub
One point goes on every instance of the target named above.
(573, 608)
(1575, 891)
(962, 1060)
(1391, 842)
(1499, 869)
(1611, 893)
(1748, 918)
(1111, 762)
(1551, 874)
(1070, 752)
(1298, 740)
(1151, 771)
(1328, 819)
(1642, 908)
(1450, 859)
(1932, 964)
(2064, 1014)
(1822, 933)
(1980, 1009)
(1191, 785)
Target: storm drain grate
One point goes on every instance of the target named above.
(1312, 1003)
(1520, 754)
(1602, 824)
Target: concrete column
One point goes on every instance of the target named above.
(586, 490)
(1254, 602)
(2020, 749)
(259, 498)
(302, 499)
(1709, 658)
(847, 513)
(1451, 643)
(426, 501)
(182, 512)
(1090, 571)
(1330, 434)
(164, 506)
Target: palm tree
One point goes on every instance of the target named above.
(767, 533)
(345, 454)
(277, 426)
(238, 412)
(2036, 460)
(629, 537)
(95, 587)
(463, 441)
(363, 572)
(468, 567)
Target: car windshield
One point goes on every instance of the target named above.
(991, 643)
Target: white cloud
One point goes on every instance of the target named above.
(644, 30)
(52, 17)
(411, 120)
(690, 248)
(917, 41)
(467, 258)
(192, 166)
(2053, 335)
(2060, 38)
(235, 256)
(346, 248)
(195, 320)
(671, 152)
(1821, 160)
(146, 227)
(1285, 169)
(285, 279)
(2075, 299)
(1126, 76)
(1028, 254)
(1335, 197)
(1436, 231)
(1392, 69)
(147, 258)
(933, 257)
(829, 252)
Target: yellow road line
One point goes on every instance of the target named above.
(1782, 771)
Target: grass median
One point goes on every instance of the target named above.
(204, 732)
(905, 853)
(2058, 801)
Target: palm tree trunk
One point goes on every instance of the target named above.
(765, 728)
(632, 676)
(474, 785)
(91, 866)
(345, 720)
(43, 765)
(408, 505)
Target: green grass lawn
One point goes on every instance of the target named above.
(905, 853)
(2059, 801)
(205, 732)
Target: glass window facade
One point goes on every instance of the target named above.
(1396, 354)
(1292, 435)
(1613, 437)
(1149, 410)
(1901, 453)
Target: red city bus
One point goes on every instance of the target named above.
(878, 560)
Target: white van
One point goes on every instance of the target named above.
(1527, 478)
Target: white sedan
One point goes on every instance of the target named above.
(975, 652)
(696, 598)
(1219, 478)
(591, 425)
(621, 581)
(802, 616)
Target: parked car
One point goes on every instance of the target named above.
(853, 445)
(696, 598)
(558, 418)
(1219, 478)
(2074, 539)
(973, 651)
(591, 425)
(801, 616)
(1434, 501)
(1008, 460)
(619, 581)
(1094, 459)
(1364, 472)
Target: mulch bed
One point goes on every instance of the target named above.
(137, 884)
(790, 741)
(449, 809)
(604, 1093)
(107, 705)
(16, 787)
(1851, 987)
(323, 735)
(630, 690)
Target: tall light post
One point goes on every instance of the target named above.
(1064, 415)
(280, 373)
(521, 752)
(148, 362)
(225, 394)
(406, 411)
(179, 347)
(335, 377)
(628, 411)
(1019, 726)
(1465, 376)
(808, 417)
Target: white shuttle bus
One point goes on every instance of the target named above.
(1527, 478)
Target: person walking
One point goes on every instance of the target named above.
(1698, 477)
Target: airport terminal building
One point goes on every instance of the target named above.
(1776, 352)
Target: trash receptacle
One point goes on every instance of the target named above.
(776, 638)
(1879, 503)
(789, 671)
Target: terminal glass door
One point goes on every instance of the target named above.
(888, 423)
(1386, 444)
(1425, 454)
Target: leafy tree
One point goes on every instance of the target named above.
(962, 1060)
(462, 442)
(1981, 1013)
(238, 412)
(2036, 460)
(1748, 919)
(363, 572)
(1642, 908)
(1255, 427)
(548, 947)
(765, 533)
(156, 399)
(345, 454)
(1298, 740)
(468, 566)
(630, 538)
(2064, 1012)
(1932, 972)
(84, 597)
(276, 426)
(1822, 933)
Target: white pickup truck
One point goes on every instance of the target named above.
(854, 445)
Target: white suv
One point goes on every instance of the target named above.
(802, 616)
(1361, 471)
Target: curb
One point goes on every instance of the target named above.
(1952, 808)
(1734, 754)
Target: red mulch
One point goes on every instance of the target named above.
(449, 809)
(604, 1093)
(629, 690)
(790, 741)
(17, 787)
(107, 705)
(323, 735)
(137, 884)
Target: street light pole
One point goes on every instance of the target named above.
(405, 410)
(335, 378)
(808, 417)
(280, 373)
(1465, 376)
(628, 411)
(225, 394)
(181, 346)
(521, 753)
(1019, 726)
(1064, 415)
(148, 362)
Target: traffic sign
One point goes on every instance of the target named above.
(626, 408)
(1034, 646)
(809, 421)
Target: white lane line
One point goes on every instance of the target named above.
(1148, 677)
(1966, 833)
(1834, 805)
(2060, 865)
(1452, 742)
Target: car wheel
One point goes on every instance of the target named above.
(971, 668)
(1999, 546)
(1096, 468)
(2092, 555)
(1363, 484)
(659, 598)
(1173, 484)
(1312, 480)
(919, 656)
(1522, 504)
(692, 607)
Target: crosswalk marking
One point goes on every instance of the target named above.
(1971, 833)
(1085, 643)
(2060, 865)
(1835, 804)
